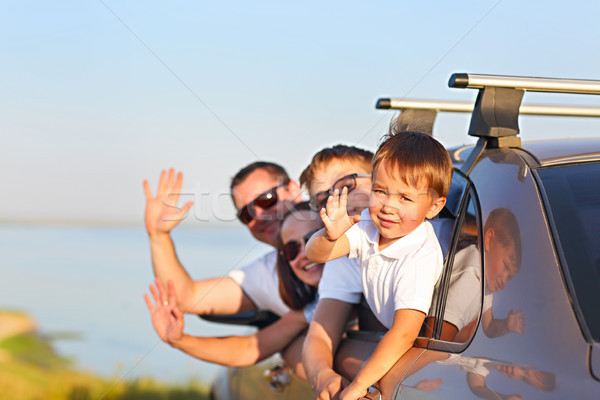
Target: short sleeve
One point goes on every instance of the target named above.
(260, 283)
(341, 281)
(356, 234)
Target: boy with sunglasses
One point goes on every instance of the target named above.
(261, 192)
(399, 255)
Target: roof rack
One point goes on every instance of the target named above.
(497, 107)
(468, 106)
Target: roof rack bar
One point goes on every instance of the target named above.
(530, 84)
(467, 107)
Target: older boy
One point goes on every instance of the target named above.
(399, 255)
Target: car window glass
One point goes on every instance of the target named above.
(573, 199)
(443, 223)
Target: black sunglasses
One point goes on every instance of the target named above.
(318, 201)
(264, 200)
(292, 248)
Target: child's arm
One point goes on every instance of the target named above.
(397, 341)
(493, 327)
(330, 242)
(233, 351)
(321, 343)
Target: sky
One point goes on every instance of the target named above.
(96, 96)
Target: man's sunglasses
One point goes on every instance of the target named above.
(264, 200)
(318, 201)
(292, 248)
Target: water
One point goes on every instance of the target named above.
(91, 280)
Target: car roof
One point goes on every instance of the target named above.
(555, 152)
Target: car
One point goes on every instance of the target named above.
(514, 313)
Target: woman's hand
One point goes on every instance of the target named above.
(166, 317)
(335, 215)
(162, 213)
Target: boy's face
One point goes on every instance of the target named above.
(265, 226)
(333, 171)
(499, 260)
(398, 208)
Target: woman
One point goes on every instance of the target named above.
(301, 278)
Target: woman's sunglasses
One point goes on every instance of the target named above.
(292, 248)
(319, 200)
(264, 200)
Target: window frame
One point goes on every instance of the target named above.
(435, 343)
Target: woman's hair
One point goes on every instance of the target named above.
(337, 152)
(294, 293)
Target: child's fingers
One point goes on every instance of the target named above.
(336, 197)
(344, 199)
(324, 216)
(355, 218)
(329, 206)
(149, 302)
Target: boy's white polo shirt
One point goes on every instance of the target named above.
(260, 282)
(401, 276)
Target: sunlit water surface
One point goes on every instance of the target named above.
(91, 281)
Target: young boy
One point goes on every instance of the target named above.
(399, 255)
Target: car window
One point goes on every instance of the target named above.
(461, 282)
(572, 197)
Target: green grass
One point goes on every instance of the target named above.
(31, 369)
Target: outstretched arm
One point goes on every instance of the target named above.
(210, 296)
(397, 341)
(232, 351)
(161, 216)
(322, 340)
(493, 327)
(331, 242)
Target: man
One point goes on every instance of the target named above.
(260, 192)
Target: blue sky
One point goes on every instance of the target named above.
(96, 96)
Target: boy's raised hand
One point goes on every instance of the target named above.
(162, 213)
(515, 322)
(166, 317)
(335, 215)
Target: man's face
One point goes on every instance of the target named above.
(500, 262)
(398, 208)
(265, 224)
(330, 173)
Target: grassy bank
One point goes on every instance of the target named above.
(31, 369)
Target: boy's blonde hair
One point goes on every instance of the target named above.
(337, 152)
(417, 158)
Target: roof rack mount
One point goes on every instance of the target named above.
(496, 112)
